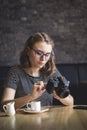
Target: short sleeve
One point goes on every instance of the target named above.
(57, 73)
(12, 79)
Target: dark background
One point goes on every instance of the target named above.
(64, 20)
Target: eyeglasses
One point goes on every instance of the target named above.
(41, 53)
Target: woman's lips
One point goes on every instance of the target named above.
(41, 63)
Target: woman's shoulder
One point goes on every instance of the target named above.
(56, 73)
(15, 69)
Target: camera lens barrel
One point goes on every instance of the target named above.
(60, 85)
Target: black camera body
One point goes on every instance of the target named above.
(60, 85)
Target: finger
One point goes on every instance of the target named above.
(40, 82)
(43, 90)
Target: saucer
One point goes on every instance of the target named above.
(43, 109)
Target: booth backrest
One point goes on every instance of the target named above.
(82, 69)
(70, 71)
(75, 73)
(3, 74)
(82, 99)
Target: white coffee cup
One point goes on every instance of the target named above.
(34, 106)
(9, 108)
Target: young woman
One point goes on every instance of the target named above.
(27, 82)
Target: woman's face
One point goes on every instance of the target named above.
(40, 54)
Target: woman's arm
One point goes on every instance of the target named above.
(9, 94)
(69, 101)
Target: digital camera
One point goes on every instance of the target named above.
(60, 85)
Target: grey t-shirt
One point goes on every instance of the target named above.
(22, 82)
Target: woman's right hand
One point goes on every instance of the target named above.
(38, 89)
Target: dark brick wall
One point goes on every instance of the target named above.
(64, 20)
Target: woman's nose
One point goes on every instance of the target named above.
(43, 57)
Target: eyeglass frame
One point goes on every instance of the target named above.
(41, 53)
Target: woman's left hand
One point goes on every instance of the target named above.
(55, 95)
(69, 101)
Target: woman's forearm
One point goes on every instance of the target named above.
(69, 101)
(19, 102)
(22, 101)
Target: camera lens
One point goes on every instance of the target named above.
(62, 92)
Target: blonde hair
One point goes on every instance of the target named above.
(50, 67)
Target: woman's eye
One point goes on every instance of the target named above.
(39, 53)
(48, 54)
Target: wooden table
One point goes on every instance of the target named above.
(57, 118)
